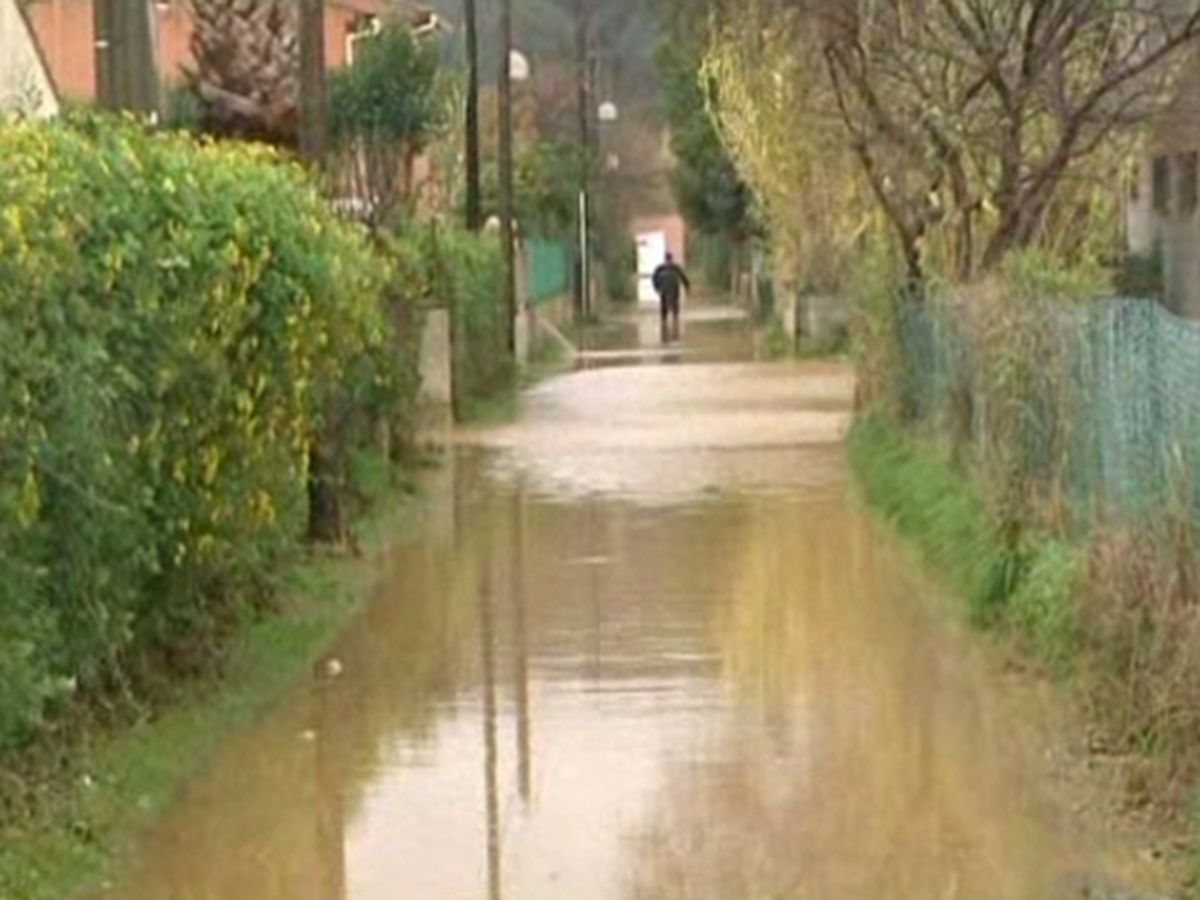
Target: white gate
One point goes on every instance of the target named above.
(651, 248)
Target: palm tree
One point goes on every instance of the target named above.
(246, 68)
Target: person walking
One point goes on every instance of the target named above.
(669, 282)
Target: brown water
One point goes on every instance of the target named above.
(647, 647)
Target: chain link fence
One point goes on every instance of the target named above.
(1091, 409)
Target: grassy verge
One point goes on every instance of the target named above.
(1026, 584)
(121, 781)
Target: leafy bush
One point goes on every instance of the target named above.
(173, 317)
(384, 108)
(546, 176)
(1040, 275)
(1142, 275)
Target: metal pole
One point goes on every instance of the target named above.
(585, 258)
(474, 206)
(506, 173)
(583, 298)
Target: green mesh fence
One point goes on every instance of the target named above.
(1096, 405)
(549, 269)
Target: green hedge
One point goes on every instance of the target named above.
(173, 317)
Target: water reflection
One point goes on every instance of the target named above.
(521, 648)
(487, 654)
(679, 666)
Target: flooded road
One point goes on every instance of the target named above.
(646, 647)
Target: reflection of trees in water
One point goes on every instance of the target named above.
(868, 759)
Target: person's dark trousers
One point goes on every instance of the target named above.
(669, 308)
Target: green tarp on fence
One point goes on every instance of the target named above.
(549, 265)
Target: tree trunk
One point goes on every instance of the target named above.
(313, 125)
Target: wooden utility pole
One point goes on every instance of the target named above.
(126, 61)
(314, 138)
(506, 173)
(326, 523)
(474, 204)
(583, 293)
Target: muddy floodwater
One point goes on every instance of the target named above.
(647, 645)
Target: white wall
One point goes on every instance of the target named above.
(25, 85)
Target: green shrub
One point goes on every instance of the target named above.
(1006, 579)
(173, 317)
(1141, 275)
(1043, 606)
(1037, 274)
(938, 509)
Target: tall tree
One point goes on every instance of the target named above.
(384, 109)
(779, 123)
(710, 191)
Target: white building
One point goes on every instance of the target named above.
(25, 84)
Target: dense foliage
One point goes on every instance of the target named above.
(384, 108)
(174, 317)
(461, 271)
(547, 174)
(711, 193)
(968, 129)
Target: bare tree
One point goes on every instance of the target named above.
(971, 113)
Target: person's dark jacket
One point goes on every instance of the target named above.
(667, 280)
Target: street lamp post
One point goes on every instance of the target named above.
(506, 173)
(583, 299)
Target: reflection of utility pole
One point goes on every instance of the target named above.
(594, 592)
(331, 829)
(583, 290)
(506, 173)
(521, 644)
(126, 66)
(491, 788)
(474, 205)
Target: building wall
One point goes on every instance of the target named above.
(1167, 215)
(24, 82)
(64, 29)
(672, 226)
